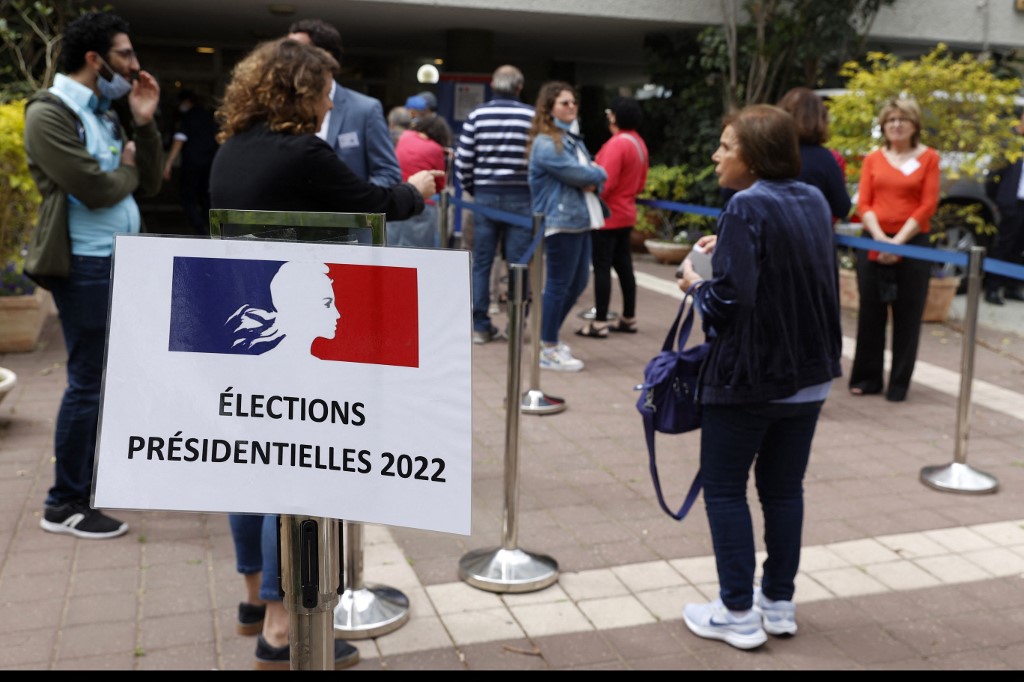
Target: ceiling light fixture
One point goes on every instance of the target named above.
(281, 10)
(427, 74)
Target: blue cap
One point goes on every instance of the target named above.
(416, 102)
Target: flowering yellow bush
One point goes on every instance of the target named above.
(967, 113)
(19, 199)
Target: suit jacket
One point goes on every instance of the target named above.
(1002, 186)
(358, 133)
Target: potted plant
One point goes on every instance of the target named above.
(23, 306)
(666, 234)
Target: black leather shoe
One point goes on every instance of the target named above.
(1013, 294)
(993, 297)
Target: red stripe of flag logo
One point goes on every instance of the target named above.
(332, 311)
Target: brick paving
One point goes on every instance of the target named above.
(896, 575)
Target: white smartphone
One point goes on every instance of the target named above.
(701, 261)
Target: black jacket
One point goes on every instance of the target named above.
(260, 170)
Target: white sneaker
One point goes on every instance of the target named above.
(778, 617)
(714, 621)
(560, 359)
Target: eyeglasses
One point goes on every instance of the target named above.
(127, 52)
(566, 103)
(892, 121)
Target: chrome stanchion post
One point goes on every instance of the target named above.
(365, 611)
(959, 477)
(535, 401)
(442, 219)
(508, 568)
(310, 588)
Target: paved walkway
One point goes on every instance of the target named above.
(895, 574)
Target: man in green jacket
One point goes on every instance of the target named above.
(87, 168)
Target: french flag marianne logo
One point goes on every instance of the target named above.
(331, 311)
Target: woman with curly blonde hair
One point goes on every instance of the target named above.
(271, 160)
(270, 157)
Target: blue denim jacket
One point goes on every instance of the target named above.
(771, 310)
(555, 181)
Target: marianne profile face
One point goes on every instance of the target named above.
(303, 310)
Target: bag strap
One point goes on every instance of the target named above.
(691, 495)
(639, 149)
(684, 333)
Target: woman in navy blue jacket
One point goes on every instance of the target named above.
(818, 166)
(771, 312)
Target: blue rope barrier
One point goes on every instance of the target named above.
(505, 217)
(933, 254)
(494, 213)
(682, 208)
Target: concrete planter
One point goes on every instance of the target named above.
(7, 381)
(671, 253)
(22, 319)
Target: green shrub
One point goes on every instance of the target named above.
(680, 184)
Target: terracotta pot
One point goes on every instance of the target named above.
(22, 319)
(849, 297)
(637, 239)
(671, 253)
(941, 291)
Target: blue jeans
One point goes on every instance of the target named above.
(567, 263)
(256, 549)
(776, 439)
(486, 232)
(419, 230)
(83, 301)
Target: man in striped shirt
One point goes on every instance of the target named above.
(491, 165)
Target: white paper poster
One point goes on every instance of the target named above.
(288, 378)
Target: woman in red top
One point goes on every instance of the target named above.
(425, 146)
(898, 194)
(624, 158)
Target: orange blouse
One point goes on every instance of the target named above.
(894, 195)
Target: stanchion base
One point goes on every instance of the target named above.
(536, 402)
(958, 478)
(592, 314)
(370, 612)
(507, 570)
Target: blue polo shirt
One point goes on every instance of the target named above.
(92, 229)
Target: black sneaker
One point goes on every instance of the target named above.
(250, 618)
(277, 657)
(79, 519)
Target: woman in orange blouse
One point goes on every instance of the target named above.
(898, 194)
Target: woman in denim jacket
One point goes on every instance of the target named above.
(564, 183)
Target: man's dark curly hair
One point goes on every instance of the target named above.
(94, 32)
(321, 34)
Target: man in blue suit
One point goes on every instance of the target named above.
(355, 128)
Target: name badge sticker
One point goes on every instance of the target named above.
(348, 140)
(910, 166)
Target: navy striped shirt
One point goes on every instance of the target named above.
(492, 146)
